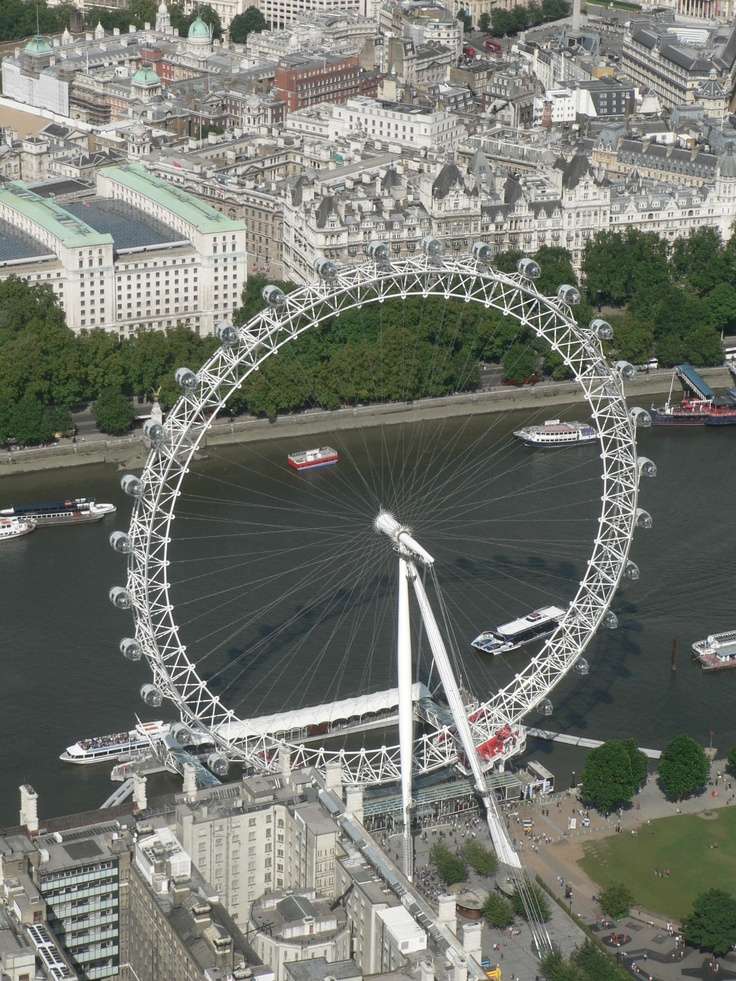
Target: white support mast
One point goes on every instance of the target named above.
(410, 551)
(406, 715)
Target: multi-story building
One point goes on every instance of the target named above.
(303, 80)
(280, 13)
(397, 122)
(340, 33)
(598, 98)
(295, 925)
(683, 64)
(138, 254)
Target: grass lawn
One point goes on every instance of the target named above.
(682, 844)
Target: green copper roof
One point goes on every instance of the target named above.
(179, 203)
(146, 76)
(38, 46)
(198, 29)
(50, 217)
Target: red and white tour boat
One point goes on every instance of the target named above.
(325, 456)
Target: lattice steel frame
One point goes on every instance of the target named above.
(465, 279)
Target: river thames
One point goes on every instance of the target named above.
(63, 678)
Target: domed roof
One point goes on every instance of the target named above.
(38, 46)
(146, 77)
(162, 8)
(199, 31)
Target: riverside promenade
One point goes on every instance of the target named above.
(131, 451)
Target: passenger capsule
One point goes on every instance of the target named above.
(568, 294)
(625, 369)
(181, 733)
(378, 251)
(529, 269)
(602, 329)
(431, 247)
(120, 542)
(325, 268)
(130, 649)
(185, 379)
(582, 667)
(546, 707)
(273, 296)
(647, 467)
(151, 695)
(640, 417)
(131, 485)
(227, 334)
(482, 252)
(610, 620)
(120, 597)
(154, 432)
(218, 764)
(643, 519)
(631, 571)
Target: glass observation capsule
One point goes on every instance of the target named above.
(625, 369)
(120, 597)
(529, 269)
(130, 649)
(546, 707)
(631, 571)
(218, 764)
(647, 467)
(154, 432)
(227, 334)
(273, 296)
(325, 268)
(131, 485)
(181, 733)
(431, 247)
(568, 294)
(120, 542)
(643, 519)
(610, 620)
(186, 379)
(151, 695)
(482, 252)
(378, 251)
(640, 417)
(602, 329)
(582, 667)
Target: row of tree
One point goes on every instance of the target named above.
(504, 22)
(587, 963)
(616, 771)
(675, 299)
(19, 19)
(140, 12)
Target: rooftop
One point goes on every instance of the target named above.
(129, 226)
(179, 203)
(51, 217)
(17, 245)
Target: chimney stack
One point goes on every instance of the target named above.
(446, 912)
(190, 781)
(139, 792)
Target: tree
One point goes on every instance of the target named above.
(721, 304)
(27, 422)
(484, 21)
(480, 859)
(450, 867)
(498, 911)
(621, 265)
(698, 260)
(731, 761)
(540, 904)
(712, 923)
(520, 363)
(251, 21)
(633, 339)
(557, 268)
(683, 768)
(113, 412)
(612, 775)
(615, 900)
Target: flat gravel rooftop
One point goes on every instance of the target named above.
(18, 245)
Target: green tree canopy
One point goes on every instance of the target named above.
(251, 21)
(621, 265)
(698, 260)
(731, 761)
(450, 867)
(683, 768)
(182, 21)
(721, 304)
(557, 268)
(520, 363)
(113, 412)
(498, 911)
(480, 859)
(615, 900)
(612, 775)
(18, 18)
(712, 922)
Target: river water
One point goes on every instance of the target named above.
(282, 583)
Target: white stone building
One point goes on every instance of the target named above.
(396, 123)
(139, 254)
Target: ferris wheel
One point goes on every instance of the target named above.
(479, 732)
